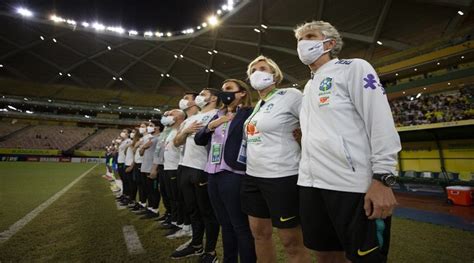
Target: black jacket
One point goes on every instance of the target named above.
(234, 138)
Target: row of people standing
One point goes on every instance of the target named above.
(317, 165)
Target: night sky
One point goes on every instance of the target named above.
(141, 15)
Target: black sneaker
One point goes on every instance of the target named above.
(149, 215)
(189, 251)
(142, 211)
(166, 226)
(137, 208)
(162, 218)
(172, 231)
(208, 258)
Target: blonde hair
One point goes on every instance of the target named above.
(326, 29)
(273, 66)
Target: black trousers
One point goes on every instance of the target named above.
(134, 181)
(121, 172)
(152, 191)
(164, 190)
(132, 186)
(170, 180)
(194, 186)
(183, 216)
(141, 183)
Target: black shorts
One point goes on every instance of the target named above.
(275, 198)
(336, 221)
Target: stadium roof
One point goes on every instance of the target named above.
(39, 50)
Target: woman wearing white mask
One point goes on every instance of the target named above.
(124, 142)
(137, 163)
(349, 152)
(129, 171)
(150, 141)
(269, 192)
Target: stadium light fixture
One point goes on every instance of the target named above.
(264, 26)
(212, 20)
(204, 24)
(3, 110)
(175, 56)
(114, 78)
(29, 112)
(462, 57)
(11, 107)
(219, 12)
(461, 13)
(411, 98)
(109, 48)
(211, 70)
(181, 56)
(87, 116)
(396, 74)
(404, 92)
(169, 34)
(415, 69)
(148, 34)
(50, 101)
(120, 79)
(98, 26)
(68, 74)
(168, 75)
(42, 37)
(215, 51)
(132, 33)
(25, 99)
(379, 42)
(1, 65)
(54, 40)
(418, 95)
(207, 71)
(130, 108)
(230, 5)
(257, 30)
(424, 88)
(209, 52)
(162, 74)
(24, 12)
(57, 19)
(85, 24)
(438, 63)
(60, 73)
(449, 83)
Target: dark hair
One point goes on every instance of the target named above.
(194, 94)
(158, 124)
(215, 92)
(247, 100)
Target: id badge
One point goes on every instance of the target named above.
(243, 153)
(216, 153)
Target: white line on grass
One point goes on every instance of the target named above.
(134, 246)
(18, 225)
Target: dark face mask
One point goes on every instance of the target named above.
(227, 97)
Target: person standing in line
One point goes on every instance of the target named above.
(269, 192)
(349, 152)
(224, 136)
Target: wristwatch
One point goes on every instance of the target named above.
(387, 179)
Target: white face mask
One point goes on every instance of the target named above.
(141, 130)
(183, 104)
(118, 141)
(132, 135)
(261, 80)
(150, 129)
(167, 120)
(123, 135)
(310, 50)
(201, 101)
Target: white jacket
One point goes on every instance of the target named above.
(347, 126)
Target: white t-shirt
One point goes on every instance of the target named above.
(129, 155)
(196, 156)
(159, 154)
(138, 157)
(121, 150)
(171, 152)
(272, 151)
(347, 126)
(148, 154)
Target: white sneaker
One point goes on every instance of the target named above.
(179, 234)
(185, 245)
(189, 230)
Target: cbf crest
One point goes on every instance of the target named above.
(326, 84)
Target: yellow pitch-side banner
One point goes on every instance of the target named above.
(29, 151)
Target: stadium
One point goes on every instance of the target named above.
(98, 99)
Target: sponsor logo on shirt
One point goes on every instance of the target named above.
(253, 135)
(205, 118)
(344, 62)
(282, 92)
(370, 81)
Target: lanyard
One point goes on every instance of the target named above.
(257, 108)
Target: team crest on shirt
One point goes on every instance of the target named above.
(268, 108)
(205, 118)
(326, 84)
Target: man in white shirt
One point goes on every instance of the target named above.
(124, 142)
(193, 181)
(349, 152)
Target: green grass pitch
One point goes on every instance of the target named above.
(84, 225)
